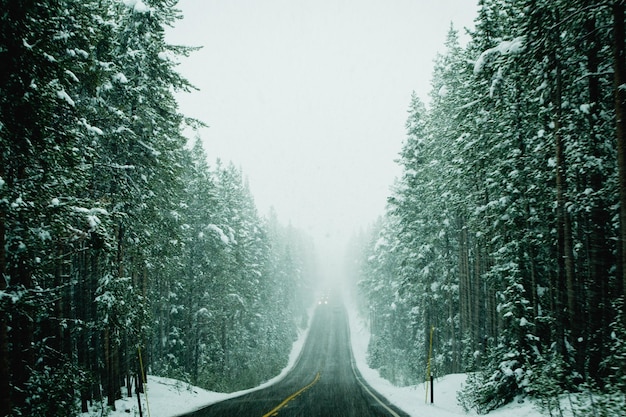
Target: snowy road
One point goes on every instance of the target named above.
(324, 382)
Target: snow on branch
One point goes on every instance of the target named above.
(513, 47)
(137, 6)
(61, 94)
(152, 150)
(225, 239)
(90, 128)
(92, 216)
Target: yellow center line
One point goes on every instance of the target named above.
(292, 396)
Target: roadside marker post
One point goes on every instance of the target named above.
(432, 389)
(429, 374)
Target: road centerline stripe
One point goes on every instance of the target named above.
(292, 396)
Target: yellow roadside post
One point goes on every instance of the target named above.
(429, 376)
(144, 378)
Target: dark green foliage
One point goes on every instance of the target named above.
(503, 231)
(615, 362)
(115, 237)
(52, 391)
(547, 377)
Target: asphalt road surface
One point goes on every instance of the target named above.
(324, 382)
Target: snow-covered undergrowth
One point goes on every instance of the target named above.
(168, 397)
(413, 399)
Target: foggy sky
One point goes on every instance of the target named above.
(309, 97)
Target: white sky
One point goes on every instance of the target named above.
(310, 97)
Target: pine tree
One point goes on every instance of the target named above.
(514, 198)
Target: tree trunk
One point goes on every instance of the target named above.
(5, 371)
(464, 281)
(565, 251)
(22, 332)
(478, 299)
(600, 252)
(112, 383)
(619, 56)
(565, 262)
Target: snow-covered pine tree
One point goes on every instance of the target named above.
(137, 170)
(530, 208)
(46, 69)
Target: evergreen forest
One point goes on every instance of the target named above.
(505, 236)
(501, 254)
(122, 250)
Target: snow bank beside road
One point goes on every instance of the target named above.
(412, 399)
(171, 398)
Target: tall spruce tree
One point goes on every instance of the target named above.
(516, 200)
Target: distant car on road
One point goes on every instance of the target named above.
(323, 300)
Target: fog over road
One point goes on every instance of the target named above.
(324, 382)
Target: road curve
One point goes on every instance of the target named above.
(324, 382)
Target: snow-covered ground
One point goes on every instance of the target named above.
(171, 398)
(413, 399)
